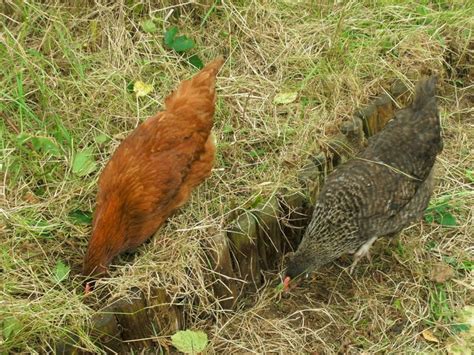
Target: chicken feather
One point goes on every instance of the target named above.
(379, 192)
(153, 171)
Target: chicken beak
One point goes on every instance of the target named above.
(88, 288)
(286, 284)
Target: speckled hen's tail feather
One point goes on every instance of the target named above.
(425, 92)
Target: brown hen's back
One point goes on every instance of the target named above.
(153, 171)
(378, 193)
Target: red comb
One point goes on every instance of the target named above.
(286, 284)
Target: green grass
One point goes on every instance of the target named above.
(66, 70)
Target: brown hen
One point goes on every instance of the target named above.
(153, 171)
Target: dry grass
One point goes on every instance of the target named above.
(65, 67)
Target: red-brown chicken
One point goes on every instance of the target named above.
(153, 171)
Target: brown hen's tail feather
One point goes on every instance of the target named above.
(213, 66)
(196, 91)
(425, 92)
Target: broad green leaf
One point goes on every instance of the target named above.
(170, 34)
(196, 61)
(440, 202)
(83, 163)
(11, 327)
(149, 26)
(466, 265)
(429, 218)
(459, 328)
(61, 271)
(182, 44)
(440, 214)
(142, 89)
(45, 145)
(285, 98)
(447, 219)
(189, 341)
(82, 217)
(102, 138)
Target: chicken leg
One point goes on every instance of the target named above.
(364, 250)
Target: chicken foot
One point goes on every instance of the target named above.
(364, 251)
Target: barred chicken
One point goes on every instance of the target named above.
(379, 192)
(153, 171)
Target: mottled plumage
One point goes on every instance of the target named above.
(379, 192)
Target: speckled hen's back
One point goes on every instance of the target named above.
(378, 193)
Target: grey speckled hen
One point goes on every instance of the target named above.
(379, 192)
